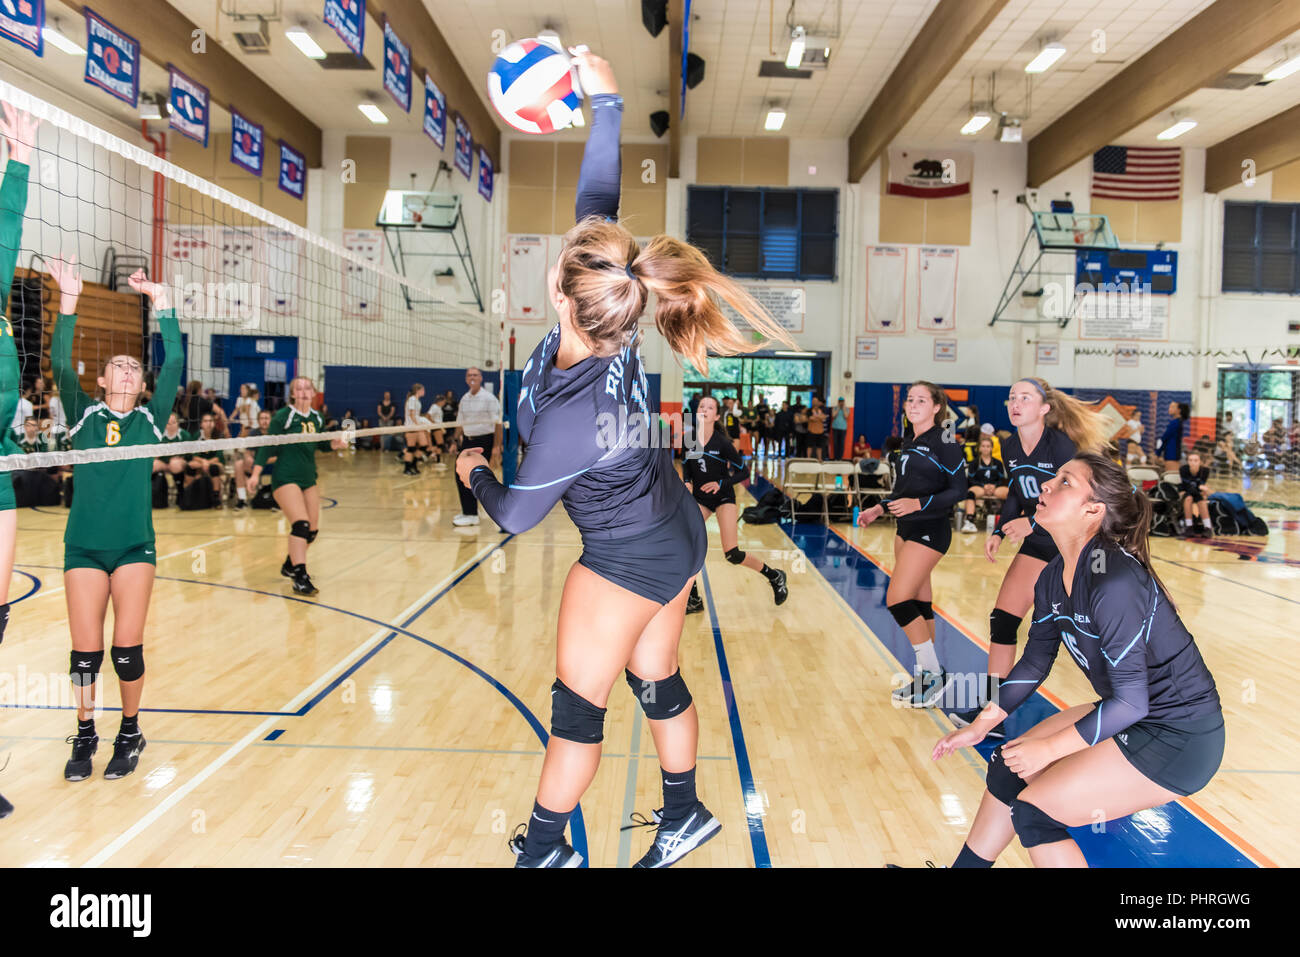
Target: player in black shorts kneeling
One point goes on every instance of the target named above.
(710, 472)
(1156, 733)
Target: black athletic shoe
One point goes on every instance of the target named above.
(241, 503)
(5, 807)
(302, 584)
(83, 748)
(779, 590)
(126, 752)
(930, 864)
(562, 855)
(962, 719)
(675, 839)
(287, 568)
(694, 604)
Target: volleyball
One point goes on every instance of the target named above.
(533, 87)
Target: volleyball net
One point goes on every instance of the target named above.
(259, 296)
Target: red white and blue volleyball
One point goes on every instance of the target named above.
(533, 87)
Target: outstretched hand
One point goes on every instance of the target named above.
(67, 277)
(594, 73)
(156, 291)
(18, 127)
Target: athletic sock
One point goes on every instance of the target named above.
(679, 793)
(130, 726)
(86, 729)
(926, 657)
(545, 830)
(770, 573)
(242, 492)
(968, 858)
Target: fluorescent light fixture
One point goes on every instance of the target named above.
(795, 56)
(1283, 70)
(303, 41)
(775, 119)
(1177, 130)
(976, 123)
(795, 355)
(1009, 130)
(148, 108)
(373, 113)
(56, 39)
(1047, 56)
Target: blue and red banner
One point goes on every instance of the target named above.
(293, 170)
(348, 18)
(246, 149)
(189, 101)
(485, 174)
(397, 67)
(112, 59)
(21, 21)
(464, 158)
(435, 112)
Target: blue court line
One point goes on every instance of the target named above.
(753, 802)
(274, 734)
(1167, 836)
(36, 586)
(577, 827)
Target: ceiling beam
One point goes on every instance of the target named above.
(166, 35)
(939, 46)
(431, 53)
(1268, 145)
(675, 15)
(1212, 43)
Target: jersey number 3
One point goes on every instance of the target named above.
(113, 434)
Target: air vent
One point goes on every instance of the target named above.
(1235, 81)
(259, 42)
(777, 68)
(344, 61)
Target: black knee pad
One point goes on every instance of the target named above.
(311, 535)
(1003, 783)
(85, 667)
(301, 530)
(574, 718)
(926, 609)
(129, 662)
(1034, 826)
(1002, 627)
(215, 471)
(735, 556)
(905, 612)
(663, 699)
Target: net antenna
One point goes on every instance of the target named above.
(1044, 271)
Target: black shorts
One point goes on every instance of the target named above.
(1195, 496)
(711, 502)
(817, 440)
(933, 533)
(655, 564)
(1181, 757)
(1040, 546)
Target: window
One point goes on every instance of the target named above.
(765, 233)
(1260, 248)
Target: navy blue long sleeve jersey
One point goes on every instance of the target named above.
(1125, 636)
(585, 429)
(1027, 473)
(719, 462)
(1171, 442)
(1190, 482)
(979, 474)
(932, 471)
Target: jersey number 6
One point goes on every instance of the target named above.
(113, 434)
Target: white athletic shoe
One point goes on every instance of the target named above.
(439, 466)
(465, 520)
(969, 526)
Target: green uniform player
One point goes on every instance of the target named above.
(295, 464)
(109, 540)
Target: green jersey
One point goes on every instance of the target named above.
(294, 464)
(112, 507)
(180, 436)
(215, 454)
(13, 202)
(37, 444)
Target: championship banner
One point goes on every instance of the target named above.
(21, 21)
(932, 174)
(348, 18)
(435, 112)
(293, 170)
(464, 145)
(397, 67)
(246, 147)
(484, 174)
(112, 59)
(189, 102)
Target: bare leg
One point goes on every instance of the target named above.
(913, 564)
(86, 592)
(730, 534)
(1016, 596)
(293, 507)
(131, 587)
(655, 658)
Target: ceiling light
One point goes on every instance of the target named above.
(303, 41)
(148, 107)
(795, 56)
(56, 39)
(1178, 129)
(1009, 129)
(976, 123)
(795, 355)
(373, 113)
(775, 119)
(1047, 56)
(1283, 69)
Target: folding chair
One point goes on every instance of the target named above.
(804, 478)
(849, 484)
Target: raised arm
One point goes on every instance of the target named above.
(68, 278)
(599, 179)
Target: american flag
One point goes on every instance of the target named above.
(1141, 173)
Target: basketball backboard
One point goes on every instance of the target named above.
(1074, 231)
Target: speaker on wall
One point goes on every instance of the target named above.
(654, 14)
(694, 71)
(659, 122)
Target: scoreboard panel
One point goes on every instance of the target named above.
(1154, 268)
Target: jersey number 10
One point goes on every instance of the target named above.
(1028, 487)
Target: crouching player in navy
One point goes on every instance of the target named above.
(1156, 734)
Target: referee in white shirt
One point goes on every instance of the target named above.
(479, 416)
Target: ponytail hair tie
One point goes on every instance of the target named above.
(627, 268)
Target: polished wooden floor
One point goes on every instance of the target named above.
(394, 719)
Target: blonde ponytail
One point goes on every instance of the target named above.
(1087, 428)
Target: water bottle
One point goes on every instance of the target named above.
(992, 523)
(855, 516)
(839, 481)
